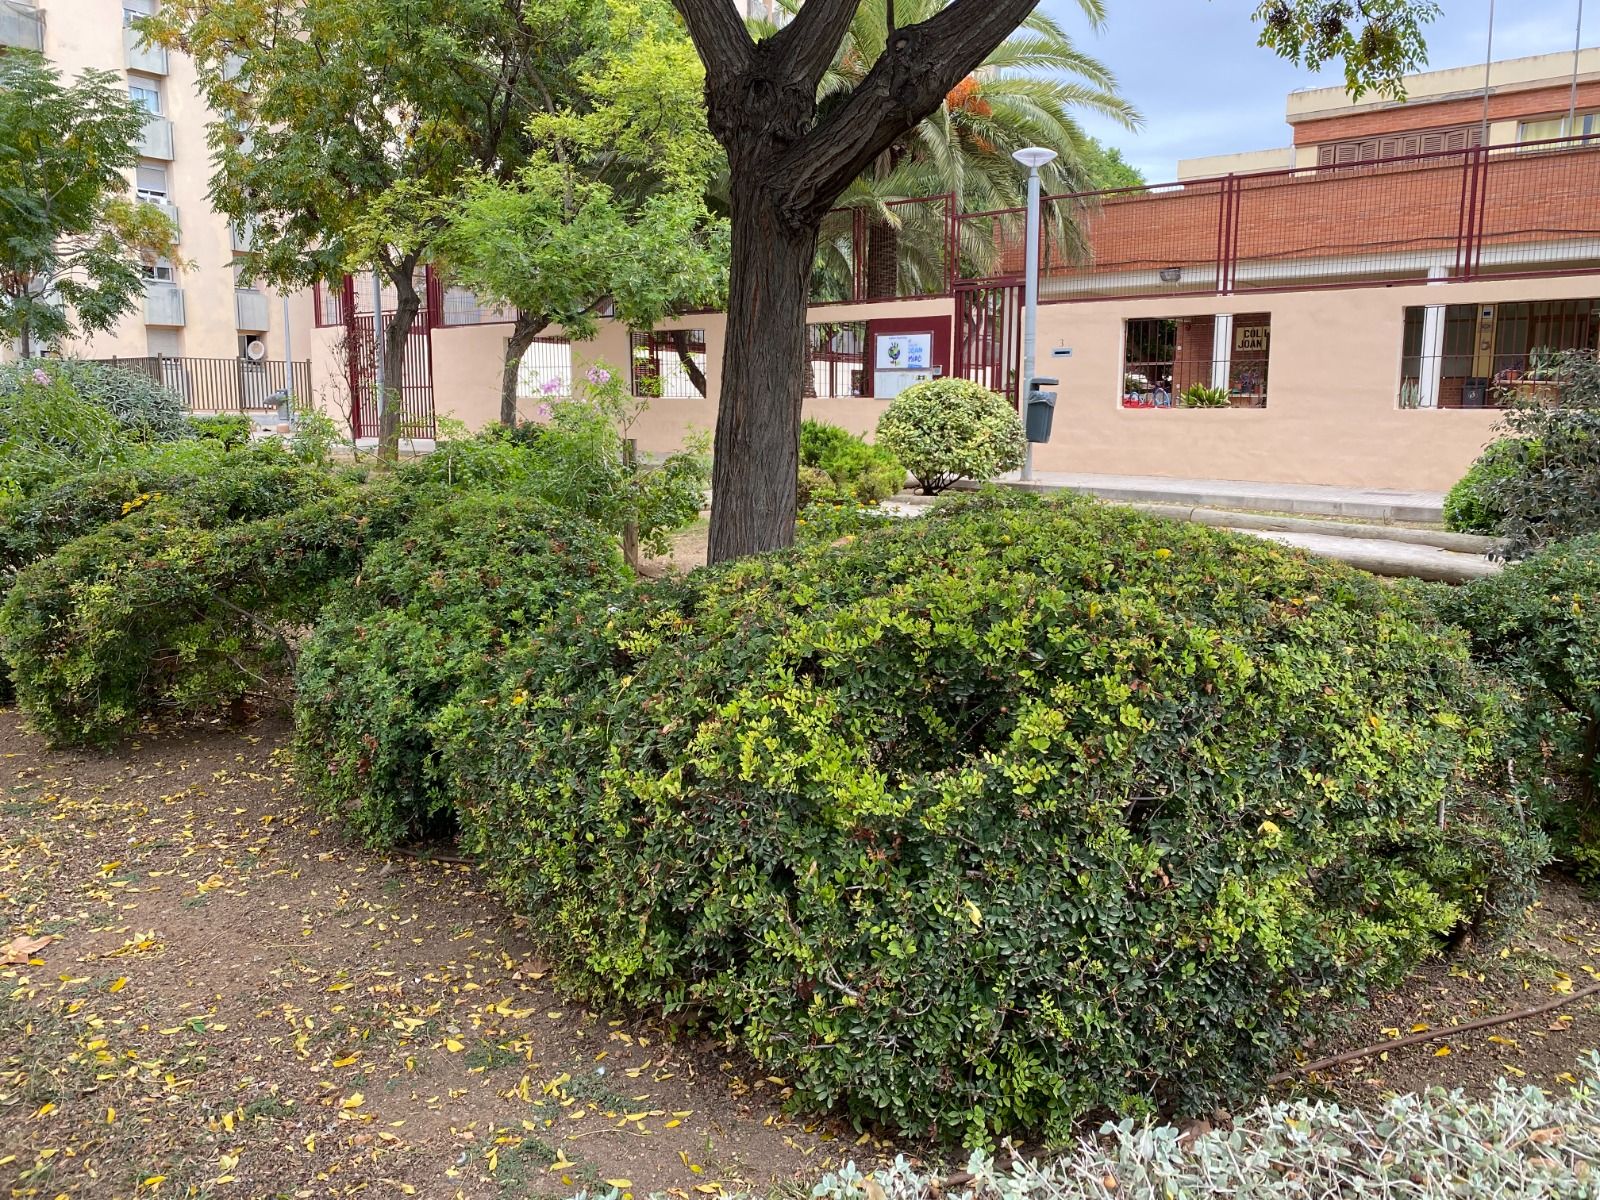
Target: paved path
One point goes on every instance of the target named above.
(1371, 504)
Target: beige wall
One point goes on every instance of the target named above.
(81, 34)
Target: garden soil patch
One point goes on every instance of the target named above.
(1556, 953)
(232, 1000)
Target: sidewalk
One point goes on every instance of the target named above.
(1370, 504)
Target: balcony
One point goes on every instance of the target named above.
(170, 209)
(250, 310)
(163, 305)
(1440, 217)
(21, 25)
(156, 140)
(140, 55)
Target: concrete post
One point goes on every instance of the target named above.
(1222, 350)
(1430, 368)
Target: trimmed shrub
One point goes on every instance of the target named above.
(428, 612)
(197, 482)
(837, 467)
(158, 615)
(1538, 624)
(1549, 489)
(1470, 506)
(986, 820)
(233, 430)
(951, 429)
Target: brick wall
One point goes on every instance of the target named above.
(1436, 114)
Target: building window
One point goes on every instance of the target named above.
(328, 303)
(151, 183)
(147, 95)
(545, 372)
(137, 10)
(159, 271)
(1489, 355)
(1216, 361)
(1585, 127)
(836, 352)
(1396, 145)
(669, 363)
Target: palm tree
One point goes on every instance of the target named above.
(1025, 94)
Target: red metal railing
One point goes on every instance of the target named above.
(1497, 211)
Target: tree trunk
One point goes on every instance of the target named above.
(680, 343)
(396, 333)
(758, 415)
(523, 333)
(883, 261)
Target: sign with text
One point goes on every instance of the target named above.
(1252, 339)
(905, 351)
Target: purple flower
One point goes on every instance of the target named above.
(40, 377)
(598, 376)
(544, 412)
(552, 385)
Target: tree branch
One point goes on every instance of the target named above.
(810, 41)
(920, 65)
(718, 34)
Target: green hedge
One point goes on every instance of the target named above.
(987, 820)
(1538, 624)
(837, 467)
(157, 615)
(1472, 505)
(428, 613)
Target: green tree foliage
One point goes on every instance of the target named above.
(991, 819)
(1028, 92)
(1546, 481)
(1105, 168)
(71, 239)
(950, 429)
(347, 128)
(1377, 41)
(1538, 624)
(427, 615)
(609, 207)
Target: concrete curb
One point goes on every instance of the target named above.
(1461, 543)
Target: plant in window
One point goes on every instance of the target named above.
(1200, 395)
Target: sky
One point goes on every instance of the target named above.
(1203, 86)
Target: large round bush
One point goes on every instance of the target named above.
(994, 818)
(951, 429)
(429, 611)
(1472, 504)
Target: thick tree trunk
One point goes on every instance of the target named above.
(523, 333)
(396, 333)
(758, 416)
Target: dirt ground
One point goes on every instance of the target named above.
(221, 996)
(235, 1001)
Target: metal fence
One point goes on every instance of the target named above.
(1483, 212)
(836, 358)
(668, 364)
(897, 250)
(219, 385)
(1166, 357)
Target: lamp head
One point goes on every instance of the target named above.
(1034, 157)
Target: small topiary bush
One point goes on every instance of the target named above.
(429, 611)
(986, 820)
(1470, 506)
(1538, 624)
(951, 429)
(838, 467)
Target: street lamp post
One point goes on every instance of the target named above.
(1032, 157)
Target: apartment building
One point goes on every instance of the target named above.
(198, 312)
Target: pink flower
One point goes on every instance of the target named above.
(599, 376)
(544, 412)
(40, 377)
(552, 385)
